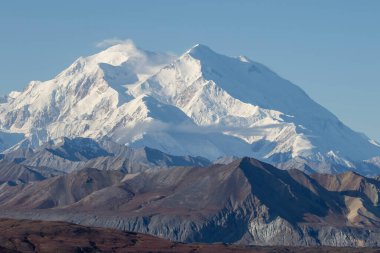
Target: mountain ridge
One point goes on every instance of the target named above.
(66, 155)
(246, 202)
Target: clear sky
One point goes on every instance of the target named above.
(331, 48)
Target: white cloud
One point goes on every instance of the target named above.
(113, 41)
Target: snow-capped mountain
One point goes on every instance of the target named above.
(201, 104)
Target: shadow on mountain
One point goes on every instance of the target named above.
(283, 195)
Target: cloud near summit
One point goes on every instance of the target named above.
(113, 41)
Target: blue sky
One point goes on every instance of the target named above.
(331, 48)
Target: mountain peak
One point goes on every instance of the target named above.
(200, 50)
(244, 58)
(122, 46)
(118, 54)
(249, 162)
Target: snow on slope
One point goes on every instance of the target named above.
(84, 99)
(201, 103)
(232, 93)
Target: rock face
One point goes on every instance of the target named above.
(244, 202)
(201, 104)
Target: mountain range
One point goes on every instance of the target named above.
(200, 147)
(245, 202)
(201, 103)
(22, 166)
